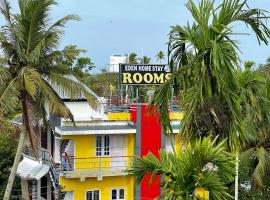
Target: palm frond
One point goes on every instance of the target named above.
(263, 165)
(72, 88)
(247, 156)
(201, 164)
(4, 74)
(9, 97)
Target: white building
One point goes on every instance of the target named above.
(115, 60)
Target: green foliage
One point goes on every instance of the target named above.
(245, 193)
(254, 92)
(265, 68)
(100, 82)
(201, 164)
(132, 58)
(72, 60)
(8, 144)
(204, 58)
(160, 56)
(145, 60)
(31, 72)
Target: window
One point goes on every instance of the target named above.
(118, 194)
(92, 195)
(103, 145)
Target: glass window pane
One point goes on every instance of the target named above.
(98, 146)
(106, 151)
(89, 195)
(107, 141)
(96, 194)
(98, 141)
(122, 194)
(106, 145)
(98, 153)
(114, 194)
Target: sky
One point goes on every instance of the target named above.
(113, 27)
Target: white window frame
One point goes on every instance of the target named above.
(103, 146)
(118, 193)
(99, 193)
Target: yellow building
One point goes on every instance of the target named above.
(95, 158)
(96, 153)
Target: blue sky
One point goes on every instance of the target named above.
(111, 27)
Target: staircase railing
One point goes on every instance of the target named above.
(46, 159)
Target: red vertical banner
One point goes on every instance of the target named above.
(133, 112)
(150, 142)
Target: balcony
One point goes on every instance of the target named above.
(74, 167)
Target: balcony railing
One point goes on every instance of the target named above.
(94, 166)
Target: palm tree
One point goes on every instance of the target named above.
(209, 85)
(255, 96)
(204, 58)
(145, 60)
(160, 56)
(29, 42)
(200, 165)
(132, 58)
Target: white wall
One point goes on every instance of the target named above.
(115, 61)
(57, 156)
(83, 112)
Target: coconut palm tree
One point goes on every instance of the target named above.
(145, 60)
(132, 58)
(202, 164)
(29, 42)
(204, 58)
(255, 96)
(160, 56)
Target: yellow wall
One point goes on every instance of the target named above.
(105, 185)
(176, 115)
(130, 146)
(125, 116)
(85, 148)
(85, 153)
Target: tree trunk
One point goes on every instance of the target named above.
(236, 176)
(15, 166)
(25, 191)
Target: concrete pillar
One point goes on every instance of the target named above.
(49, 187)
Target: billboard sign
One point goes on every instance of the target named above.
(142, 74)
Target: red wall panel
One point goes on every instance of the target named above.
(150, 142)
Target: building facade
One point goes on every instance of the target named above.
(115, 60)
(89, 161)
(95, 154)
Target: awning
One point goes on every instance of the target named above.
(98, 127)
(31, 169)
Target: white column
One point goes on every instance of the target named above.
(49, 187)
(39, 189)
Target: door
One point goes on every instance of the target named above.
(118, 148)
